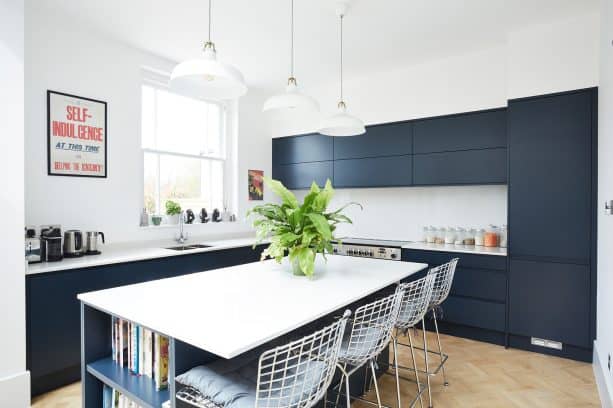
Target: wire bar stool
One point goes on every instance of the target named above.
(440, 291)
(294, 375)
(413, 307)
(371, 332)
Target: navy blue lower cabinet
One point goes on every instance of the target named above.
(550, 301)
(301, 175)
(487, 166)
(53, 312)
(373, 172)
(474, 312)
(476, 306)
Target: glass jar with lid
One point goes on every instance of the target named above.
(503, 236)
(450, 235)
(439, 237)
(431, 235)
(469, 237)
(479, 237)
(459, 239)
(491, 236)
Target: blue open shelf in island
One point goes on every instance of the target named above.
(140, 389)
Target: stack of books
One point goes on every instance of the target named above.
(111, 398)
(142, 351)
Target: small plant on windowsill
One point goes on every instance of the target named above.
(173, 211)
(298, 231)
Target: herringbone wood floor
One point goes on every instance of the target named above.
(480, 375)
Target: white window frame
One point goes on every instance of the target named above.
(160, 80)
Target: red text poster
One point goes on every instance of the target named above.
(76, 136)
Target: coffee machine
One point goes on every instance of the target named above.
(51, 243)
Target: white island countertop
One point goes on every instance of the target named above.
(232, 310)
(120, 253)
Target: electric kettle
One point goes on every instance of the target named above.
(91, 242)
(73, 243)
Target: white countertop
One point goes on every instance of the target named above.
(466, 249)
(231, 310)
(119, 253)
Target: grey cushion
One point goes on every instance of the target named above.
(232, 383)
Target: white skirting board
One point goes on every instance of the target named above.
(603, 380)
(15, 390)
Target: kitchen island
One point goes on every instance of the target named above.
(221, 314)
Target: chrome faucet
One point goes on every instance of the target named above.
(182, 237)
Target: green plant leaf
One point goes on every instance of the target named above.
(287, 197)
(306, 259)
(321, 225)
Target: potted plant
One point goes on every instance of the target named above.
(298, 231)
(173, 210)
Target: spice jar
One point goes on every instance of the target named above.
(459, 239)
(490, 238)
(503, 236)
(424, 234)
(431, 235)
(469, 237)
(479, 237)
(439, 237)
(450, 236)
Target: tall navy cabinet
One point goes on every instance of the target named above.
(552, 210)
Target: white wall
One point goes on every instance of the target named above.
(14, 379)
(604, 335)
(553, 57)
(73, 59)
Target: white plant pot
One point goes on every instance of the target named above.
(172, 219)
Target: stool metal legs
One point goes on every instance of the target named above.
(423, 322)
(421, 402)
(440, 348)
(395, 346)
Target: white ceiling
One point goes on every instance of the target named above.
(254, 34)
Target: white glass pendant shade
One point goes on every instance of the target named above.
(292, 99)
(208, 78)
(342, 124)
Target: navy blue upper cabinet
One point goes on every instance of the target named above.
(486, 166)
(301, 175)
(550, 141)
(391, 171)
(466, 131)
(391, 139)
(301, 149)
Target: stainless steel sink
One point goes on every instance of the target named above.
(188, 247)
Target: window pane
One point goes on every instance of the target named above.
(148, 117)
(189, 182)
(150, 182)
(214, 145)
(181, 123)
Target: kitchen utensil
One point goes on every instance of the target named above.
(91, 242)
(73, 243)
(51, 249)
(189, 216)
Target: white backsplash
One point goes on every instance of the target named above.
(401, 213)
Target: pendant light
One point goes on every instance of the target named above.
(342, 123)
(292, 98)
(207, 77)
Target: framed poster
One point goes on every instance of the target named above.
(76, 136)
(256, 185)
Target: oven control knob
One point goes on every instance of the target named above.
(393, 256)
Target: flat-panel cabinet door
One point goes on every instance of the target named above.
(301, 175)
(467, 131)
(391, 139)
(374, 172)
(550, 301)
(550, 176)
(487, 166)
(301, 149)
